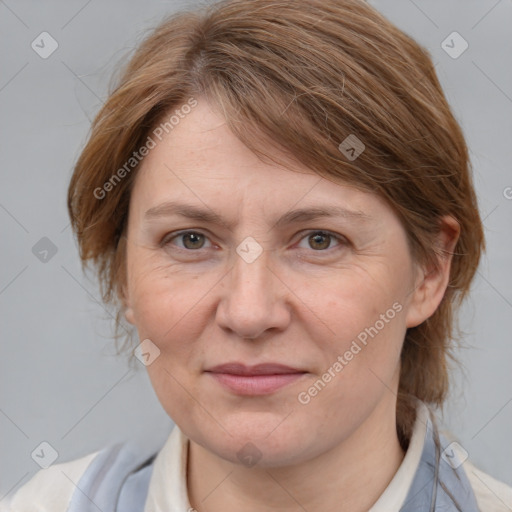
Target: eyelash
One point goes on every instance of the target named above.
(171, 236)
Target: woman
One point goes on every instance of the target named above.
(278, 197)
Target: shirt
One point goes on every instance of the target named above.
(124, 478)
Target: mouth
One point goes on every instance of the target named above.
(261, 379)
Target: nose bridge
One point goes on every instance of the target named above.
(251, 303)
(251, 276)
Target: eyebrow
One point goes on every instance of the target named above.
(175, 208)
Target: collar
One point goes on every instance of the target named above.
(423, 482)
(395, 493)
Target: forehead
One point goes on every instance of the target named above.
(202, 143)
(201, 159)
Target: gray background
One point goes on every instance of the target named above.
(61, 380)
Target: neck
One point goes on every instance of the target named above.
(349, 477)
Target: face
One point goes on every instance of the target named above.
(222, 268)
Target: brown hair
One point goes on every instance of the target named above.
(302, 75)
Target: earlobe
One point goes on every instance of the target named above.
(128, 311)
(128, 314)
(420, 306)
(431, 284)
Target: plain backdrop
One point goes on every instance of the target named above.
(61, 380)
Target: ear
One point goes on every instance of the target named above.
(128, 314)
(125, 301)
(431, 283)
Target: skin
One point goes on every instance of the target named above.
(301, 302)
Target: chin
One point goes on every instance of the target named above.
(259, 439)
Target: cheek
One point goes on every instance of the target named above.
(163, 298)
(360, 360)
(366, 325)
(358, 303)
(168, 310)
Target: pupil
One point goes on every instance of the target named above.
(317, 239)
(195, 240)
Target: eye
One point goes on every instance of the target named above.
(322, 240)
(191, 240)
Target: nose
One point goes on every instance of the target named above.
(254, 299)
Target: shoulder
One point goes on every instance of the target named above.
(50, 490)
(119, 471)
(491, 494)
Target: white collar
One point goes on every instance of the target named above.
(395, 493)
(168, 484)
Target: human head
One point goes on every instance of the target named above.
(298, 76)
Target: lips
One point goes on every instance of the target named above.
(259, 369)
(259, 379)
